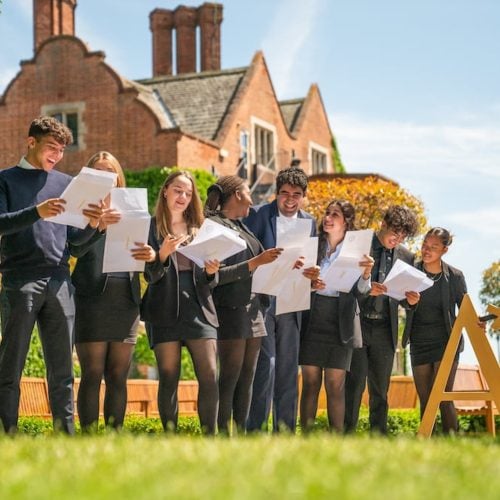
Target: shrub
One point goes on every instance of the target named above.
(153, 178)
(400, 423)
(35, 364)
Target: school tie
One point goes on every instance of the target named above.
(385, 264)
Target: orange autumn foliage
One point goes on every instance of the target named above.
(371, 196)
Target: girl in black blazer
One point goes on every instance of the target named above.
(328, 330)
(107, 315)
(240, 312)
(178, 307)
(428, 326)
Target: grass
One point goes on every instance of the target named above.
(178, 466)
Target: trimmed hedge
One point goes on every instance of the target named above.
(400, 423)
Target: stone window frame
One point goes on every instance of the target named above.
(257, 123)
(67, 108)
(318, 152)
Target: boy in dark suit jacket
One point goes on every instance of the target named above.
(379, 323)
(276, 375)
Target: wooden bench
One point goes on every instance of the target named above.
(402, 393)
(470, 378)
(34, 399)
(142, 397)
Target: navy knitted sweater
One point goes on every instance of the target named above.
(30, 247)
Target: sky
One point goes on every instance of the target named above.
(411, 89)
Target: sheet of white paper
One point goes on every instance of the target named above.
(129, 199)
(269, 278)
(133, 227)
(345, 270)
(295, 293)
(404, 278)
(357, 244)
(291, 232)
(89, 186)
(213, 241)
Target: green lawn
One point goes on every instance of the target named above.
(320, 466)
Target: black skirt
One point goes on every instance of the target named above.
(245, 322)
(321, 344)
(191, 323)
(112, 316)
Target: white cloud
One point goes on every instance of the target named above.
(395, 147)
(291, 28)
(489, 226)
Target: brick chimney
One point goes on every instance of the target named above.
(210, 19)
(161, 22)
(51, 18)
(186, 19)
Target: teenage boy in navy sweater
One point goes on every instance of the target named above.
(36, 286)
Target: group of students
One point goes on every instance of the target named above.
(245, 356)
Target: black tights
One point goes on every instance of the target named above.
(204, 355)
(424, 376)
(237, 364)
(312, 377)
(111, 360)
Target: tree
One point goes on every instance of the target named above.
(490, 288)
(371, 196)
(490, 294)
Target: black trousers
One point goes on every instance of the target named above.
(49, 303)
(374, 362)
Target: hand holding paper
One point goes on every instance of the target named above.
(213, 242)
(125, 248)
(83, 197)
(403, 278)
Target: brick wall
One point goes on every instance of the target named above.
(113, 117)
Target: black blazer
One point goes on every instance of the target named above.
(366, 301)
(234, 287)
(88, 278)
(453, 293)
(160, 304)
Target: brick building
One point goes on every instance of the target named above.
(225, 120)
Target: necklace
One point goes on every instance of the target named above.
(435, 276)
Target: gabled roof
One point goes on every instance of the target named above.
(197, 102)
(291, 110)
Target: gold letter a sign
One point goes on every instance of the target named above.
(467, 320)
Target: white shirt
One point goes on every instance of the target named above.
(23, 163)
